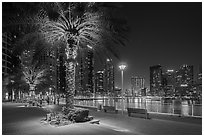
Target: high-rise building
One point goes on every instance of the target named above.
(6, 64)
(88, 73)
(137, 84)
(199, 75)
(109, 81)
(156, 80)
(197, 86)
(6, 54)
(184, 81)
(169, 81)
(49, 59)
(99, 83)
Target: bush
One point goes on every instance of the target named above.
(76, 114)
(81, 115)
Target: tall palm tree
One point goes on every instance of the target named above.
(77, 25)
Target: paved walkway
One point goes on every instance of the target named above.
(17, 120)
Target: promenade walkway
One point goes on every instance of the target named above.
(19, 120)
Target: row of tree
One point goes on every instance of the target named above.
(74, 24)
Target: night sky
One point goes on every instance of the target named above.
(169, 34)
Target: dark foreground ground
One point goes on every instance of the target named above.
(20, 120)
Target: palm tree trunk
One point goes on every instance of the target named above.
(71, 52)
(32, 91)
(70, 83)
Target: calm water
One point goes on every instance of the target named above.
(174, 107)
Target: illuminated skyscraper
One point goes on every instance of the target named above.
(109, 81)
(87, 73)
(49, 59)
(184, 80)
(156, 80)
(169, 81)
(99, 83)
(6, 64)
(137, 84)
(6, 54)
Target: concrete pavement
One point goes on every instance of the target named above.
(20, 120)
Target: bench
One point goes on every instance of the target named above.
(109, 108)
(140, 111)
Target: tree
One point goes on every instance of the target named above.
(77, 25)
(34, 73)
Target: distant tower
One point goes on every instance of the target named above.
(199, 82)
(169, 81)
(89, 72)
(109, 81)
(137, 84)
(156, 80)
(99, 82)
(6, 54)
(6, 64)
(49, 59)
(80, 77)
(184, 80)
(199, 76)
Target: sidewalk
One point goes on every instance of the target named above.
(151, 126)
(21, 120)
(159, 124)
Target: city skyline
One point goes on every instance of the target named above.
(169, 34)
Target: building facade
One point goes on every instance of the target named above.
(6, 54)
(6, 64)
(184, 81)
(109, 80)
(169, 81)
(99, 83)
(156, 87)
(49, 60)
(137, 84)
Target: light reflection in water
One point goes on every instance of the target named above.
(151, 105)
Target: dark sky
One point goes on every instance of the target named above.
(169, 34)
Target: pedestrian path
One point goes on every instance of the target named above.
(27, 121)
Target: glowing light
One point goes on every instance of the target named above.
(184, 85)
(170, 70)
(122, 67)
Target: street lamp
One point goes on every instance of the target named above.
(122, 68)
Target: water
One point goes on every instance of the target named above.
(157, 106)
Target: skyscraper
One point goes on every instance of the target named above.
(169, 81)
(137, 84)
(87, 73)
(156, 80)
(6, 64)
(184, 80)
(49, 59)
(6, 54)
(99, 83)
(109, 81)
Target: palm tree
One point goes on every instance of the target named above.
(77, 25)
(33, 76)
(29, 49)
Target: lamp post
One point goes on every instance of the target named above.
(122, 68)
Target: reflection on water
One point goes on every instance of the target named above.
(174, 107)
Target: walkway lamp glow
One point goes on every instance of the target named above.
(122, 67)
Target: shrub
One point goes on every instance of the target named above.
(76, 114)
